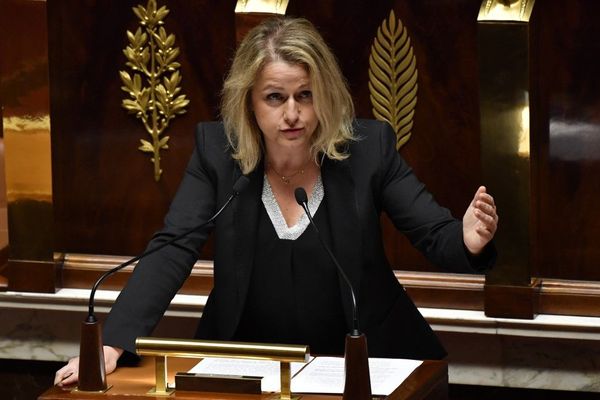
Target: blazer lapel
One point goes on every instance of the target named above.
(245, 217)
(345, 227)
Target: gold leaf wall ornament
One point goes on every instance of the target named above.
(153, 87)
(393, 78)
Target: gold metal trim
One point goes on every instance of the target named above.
(77, 390)
(163, 347)
(506, 10)
(160, 368)
(393, 78)
(285, 375)
(28, 160)
(261, 6)
(206, 348)
(151, 54)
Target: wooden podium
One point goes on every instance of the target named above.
(428, 382)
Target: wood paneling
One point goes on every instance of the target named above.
(26, 186)
(444, 147)
(427, 289)
(568, 62)
(105, 198)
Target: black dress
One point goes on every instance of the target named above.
(294, 295)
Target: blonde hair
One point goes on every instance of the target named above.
(294, 41)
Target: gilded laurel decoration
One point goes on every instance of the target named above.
(153, 87)
(393, 78)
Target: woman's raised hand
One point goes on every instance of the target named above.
(480, 221)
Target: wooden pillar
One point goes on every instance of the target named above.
(24, 94)
(506, 138)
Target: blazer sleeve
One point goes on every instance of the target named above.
(413, 210)
(157, 278)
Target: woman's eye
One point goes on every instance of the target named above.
(274, 97)
(305, 95)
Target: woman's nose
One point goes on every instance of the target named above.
(291, 112)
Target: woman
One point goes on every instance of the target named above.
(288, 122)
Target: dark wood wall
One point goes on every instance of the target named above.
(107, 202)
(568, 60)
(105, 198)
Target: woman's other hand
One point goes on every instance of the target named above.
(69, 374)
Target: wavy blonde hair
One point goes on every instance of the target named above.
(294, 41)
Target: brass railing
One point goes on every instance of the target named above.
(163, 348)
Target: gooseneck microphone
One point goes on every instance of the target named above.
(238, 187)
(357, 384)
(92, 374)
(302, 200)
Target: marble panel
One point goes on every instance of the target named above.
(523, 362)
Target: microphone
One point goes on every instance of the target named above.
(358, 382)
(238, 187)
(92, 375)
(302, 200)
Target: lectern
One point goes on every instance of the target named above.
(428, 382)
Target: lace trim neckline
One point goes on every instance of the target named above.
(290, 232)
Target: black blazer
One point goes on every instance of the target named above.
(372, 180)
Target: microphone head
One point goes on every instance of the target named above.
(241, 184)
(301, 197)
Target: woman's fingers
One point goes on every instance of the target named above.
(69, 374)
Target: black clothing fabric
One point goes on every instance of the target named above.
(374, 179)
(294, 296)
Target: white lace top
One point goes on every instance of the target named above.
(274, 212)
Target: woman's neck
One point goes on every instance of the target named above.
(288, 162)
(291, 168)
(285, 173)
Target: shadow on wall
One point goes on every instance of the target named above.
(26, 379)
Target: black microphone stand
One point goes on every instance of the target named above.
(356, 358)
(92, 373)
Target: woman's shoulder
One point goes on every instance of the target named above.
(212, 148)
(363, 124)
(371, 132)
(211, 134)
(212, 128)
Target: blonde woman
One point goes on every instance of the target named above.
(288, 122)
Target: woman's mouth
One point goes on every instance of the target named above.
(292, 132)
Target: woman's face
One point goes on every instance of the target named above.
(283, 106)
